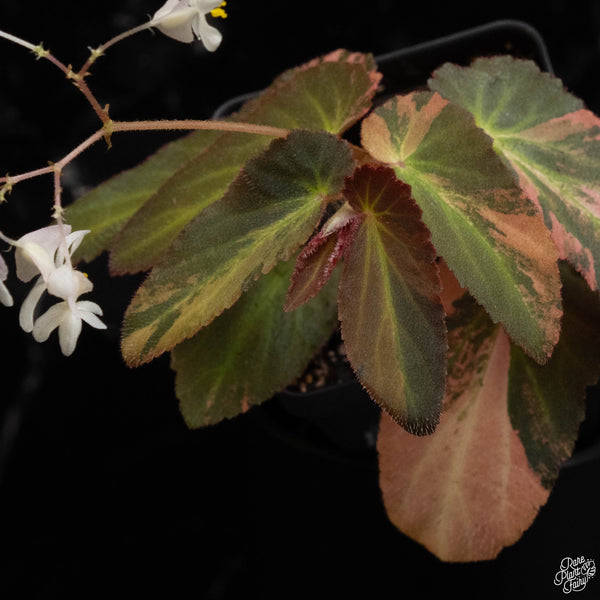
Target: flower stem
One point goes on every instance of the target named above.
(41, 52)
(190, 125)
(100, 50)
(112, 126)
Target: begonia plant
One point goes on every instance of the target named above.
(456, 247)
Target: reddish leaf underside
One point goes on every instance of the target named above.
(319, 257)
(468, 490)
(507, 425)
(391, 316)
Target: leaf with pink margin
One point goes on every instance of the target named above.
(508, 423)
(549, 139)
(389, 307)
(481, 222)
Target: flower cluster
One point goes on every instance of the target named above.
(45, 254)
(184, 19)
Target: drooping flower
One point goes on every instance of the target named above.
(5, 297)
(67, 316)
(64, 283)
(42, 251)
(47, 253)
(184, 19)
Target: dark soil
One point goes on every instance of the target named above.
(329, 367)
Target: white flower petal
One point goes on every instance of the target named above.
(181, 33)
(5, 297)
(75, 238)
(63, 283)
(72, 242)
(84, 285)
(91, 307)
(167, 8)
(91, 319)
(3, 269)
(205, 6)
(68, 332)
(210, 36)
(28, 307)
(48, 238)
(49, 321)
(32, 259)
(182, 19)
(176, 22)
(37, 249)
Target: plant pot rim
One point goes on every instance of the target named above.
(503, 36)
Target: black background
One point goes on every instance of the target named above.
(103, 491)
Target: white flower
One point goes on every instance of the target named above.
(67, 316)
(5, 297)
(42, 251)
(47, 252)
(65, 283)
(69, 284)
(184, 19)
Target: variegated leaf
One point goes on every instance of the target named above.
(251, 351)
(271, 209)
(389, 306)
(139, 213)
(106, 209)
(548, 137)
(481, 223)
(508, 423)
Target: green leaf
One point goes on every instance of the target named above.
(271, 209)
(481, 223)
(329, 93)
(508, 423)
(197, 184)
(546, 403)
(549, 139)
(106, 209)
(251, 351)
(391, 315)
(150, 205)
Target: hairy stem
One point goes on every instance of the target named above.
(113, 126)
(190, 125)
(100, 50)
(41, 52)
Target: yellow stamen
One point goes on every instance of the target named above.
(219, 12)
